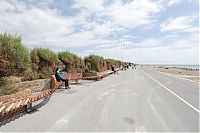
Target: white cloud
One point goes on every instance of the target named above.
(179, 23)
(176, 50)
(43, 26)
(134, 13)
(94, 23)
(162, 55)
(176, 2)
(90, 6)
(173, 2)
(131, 14)
(35, 25)
(5, 6)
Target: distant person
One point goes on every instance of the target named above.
(114, 70)
(125, 67)
(60, 78)
(135, 66)
(132, 66)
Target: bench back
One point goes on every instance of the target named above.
(15, 96)
(73, 75)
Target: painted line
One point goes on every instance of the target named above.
(176, 76)
(171, 92)
(173, 75)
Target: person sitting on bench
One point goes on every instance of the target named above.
(114, 71)
(60, 78)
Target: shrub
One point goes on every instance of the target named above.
(44, 62)
(14, 57)
(8, 89)
(95, 63)
(112, 62)
(72, 62)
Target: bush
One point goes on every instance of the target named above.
(72, 62)
(8, 89)
(95, 63)
(14, 57)
(112, 62)
(44, 62)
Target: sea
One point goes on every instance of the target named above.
(180, 66)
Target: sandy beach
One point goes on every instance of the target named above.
(187, 74)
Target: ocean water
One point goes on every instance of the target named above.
(182, 66)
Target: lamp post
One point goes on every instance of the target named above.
(121, 52)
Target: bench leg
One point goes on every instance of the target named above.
(29, 107)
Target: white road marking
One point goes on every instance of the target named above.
(135, 94)
(65, 119)
(171, 92)
(62, 121)
(140, 128)
(176, 76)
(105, 93)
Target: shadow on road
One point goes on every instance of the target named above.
(68, 91)
(129, 120)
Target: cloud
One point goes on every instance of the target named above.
(39, 24)
(90, 6)
(162, 55)
(5, 6)
(35, 25)
(123, 15)
(179, 23)
(172, 50)
(173, 2)
(100, 26)
(176, 2)
(134, 13)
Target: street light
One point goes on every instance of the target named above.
(121, 52)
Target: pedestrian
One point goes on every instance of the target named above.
(59, 78)
(114, 70)
(135, 66)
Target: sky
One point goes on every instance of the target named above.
(141, 31)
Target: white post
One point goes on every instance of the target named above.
(121, 55)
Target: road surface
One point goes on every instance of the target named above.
(139, 100)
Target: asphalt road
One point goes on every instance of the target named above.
(135, 100)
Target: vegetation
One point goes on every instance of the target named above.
(17, 61)
(8, 89)
(72, 62)
(112, 62)
(44, 62)
(95, 63)
(14, 57)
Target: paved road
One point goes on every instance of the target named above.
(135, 100)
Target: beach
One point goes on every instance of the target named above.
(180, 72)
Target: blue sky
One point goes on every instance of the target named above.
(161, 32)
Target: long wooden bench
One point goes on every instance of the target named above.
(73, 76)
(15, 96)
(54, 83)
(8, 109)
(23, 100)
